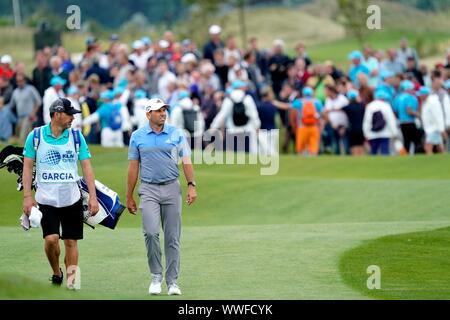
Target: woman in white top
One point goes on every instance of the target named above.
(337, 119)
(432, 120)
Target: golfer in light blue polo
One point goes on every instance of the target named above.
(154, 152)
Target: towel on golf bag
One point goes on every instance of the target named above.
(110, 208)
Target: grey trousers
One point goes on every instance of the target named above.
(162, 203)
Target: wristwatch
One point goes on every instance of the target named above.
(192, 183)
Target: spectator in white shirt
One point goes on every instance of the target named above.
(336, 118)
(379, 124)
(432, 120)
(51, 94)
(165, 78)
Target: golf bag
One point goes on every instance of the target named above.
(110, 207)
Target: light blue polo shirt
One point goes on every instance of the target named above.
(354, 70)
(401, 104)
(158, 153)
(29, 152)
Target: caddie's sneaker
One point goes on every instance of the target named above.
(155, 285)
(57, 280)
(174, 290)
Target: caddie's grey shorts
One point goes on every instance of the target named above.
(162, 203)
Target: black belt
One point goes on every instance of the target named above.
(160, 183)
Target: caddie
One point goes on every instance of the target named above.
(56, 148)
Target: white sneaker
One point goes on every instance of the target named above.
(174, 290)
(155, 285)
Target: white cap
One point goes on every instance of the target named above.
(138, 44)
(35, 217)
(163, 44)
(278, 43)
(155, 104)
(188, 57)
(215, 29)
(6, 59)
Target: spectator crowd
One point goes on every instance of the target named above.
(387, 101)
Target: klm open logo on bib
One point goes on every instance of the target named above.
(52, 157)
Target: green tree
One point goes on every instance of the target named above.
(354, 14)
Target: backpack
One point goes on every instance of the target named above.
(378, 121)
(189, 118)
(115, 119)
(240, 118)
(37, 138)
(309, 113)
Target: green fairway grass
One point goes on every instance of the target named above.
(248, 236)
(412, 265)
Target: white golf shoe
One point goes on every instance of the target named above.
(174, 290)
(155, 285)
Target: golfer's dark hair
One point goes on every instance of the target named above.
(52, 114)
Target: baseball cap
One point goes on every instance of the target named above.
(423, 91)
(63, 105)
(163, 44)
(386, 74)
(215, 29)
(278, 43)
(183, 94)
(155, 104)
(352, 94)
(138, 44)
(72, 90)
(90, 41)
(146, 40)
(188, 57)
(114, 37)
(6, 59)
(382, 95)
(186, 42)
(57, 80)
(406, 85)
(355, 55)
(307, 92)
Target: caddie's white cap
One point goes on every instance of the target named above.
(155, 104)
(6, 59)
(215, 29)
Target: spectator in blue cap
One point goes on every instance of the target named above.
(111, 120)
(406, 107)
(240, 117)
(355, 114)
(432, 120)
(387, 83)
(357, 66)
(140, 102)
(379, 124)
